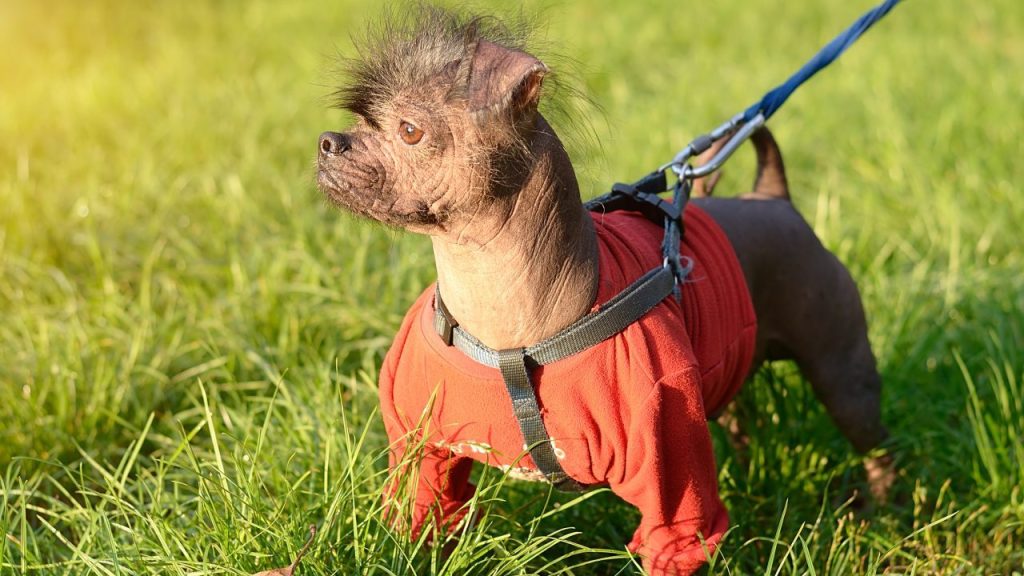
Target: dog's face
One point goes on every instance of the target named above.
(400, 164)
(444, 121)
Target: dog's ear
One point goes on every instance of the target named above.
(503, 79)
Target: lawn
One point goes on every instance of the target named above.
(190, 336)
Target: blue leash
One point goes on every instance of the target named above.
(744, 123)
(773, 100)
(642, 195)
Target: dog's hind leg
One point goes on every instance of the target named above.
(809, 310)
(845, 379)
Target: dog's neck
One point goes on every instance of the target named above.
(526, 266)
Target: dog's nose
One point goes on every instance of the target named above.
(333, 143)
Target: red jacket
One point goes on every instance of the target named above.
(630, 412)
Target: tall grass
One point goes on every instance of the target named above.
(189, 336)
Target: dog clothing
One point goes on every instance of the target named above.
(630, 413)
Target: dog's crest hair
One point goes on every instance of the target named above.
(410, 46)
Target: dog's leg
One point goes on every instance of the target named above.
(809, 310)
(845, 379)
(850, 388)
(827, 335)
(847, 384)
(730, 421)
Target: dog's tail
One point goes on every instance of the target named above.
(770, 182)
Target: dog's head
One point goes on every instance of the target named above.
(446, 108)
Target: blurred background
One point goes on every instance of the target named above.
(189, 335)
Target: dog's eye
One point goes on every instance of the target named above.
(410, 134)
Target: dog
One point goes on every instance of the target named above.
(449, 142)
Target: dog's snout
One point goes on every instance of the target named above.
(334, 143)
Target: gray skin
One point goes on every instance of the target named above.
(807, 304)
(487, 178)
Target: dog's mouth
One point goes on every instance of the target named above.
(341, 193)
(329, 185)
(420, 217)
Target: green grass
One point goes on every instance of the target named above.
(189, 336)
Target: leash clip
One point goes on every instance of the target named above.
(736, 129)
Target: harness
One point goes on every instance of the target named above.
(650, 289)
(608, 320)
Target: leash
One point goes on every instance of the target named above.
(744, 124)
(650, 289)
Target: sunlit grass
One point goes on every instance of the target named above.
(189, 336)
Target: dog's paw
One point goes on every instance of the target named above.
(881, 472)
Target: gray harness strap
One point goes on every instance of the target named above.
(613, 317)
(608, 320)
(524, 405)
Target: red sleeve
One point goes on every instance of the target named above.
(436, 480)
(669, 473)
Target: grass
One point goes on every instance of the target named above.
(190, 338)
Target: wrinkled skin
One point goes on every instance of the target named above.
(419, 187)
(486, 177)
(435, 154)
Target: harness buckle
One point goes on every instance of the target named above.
(444, 322)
